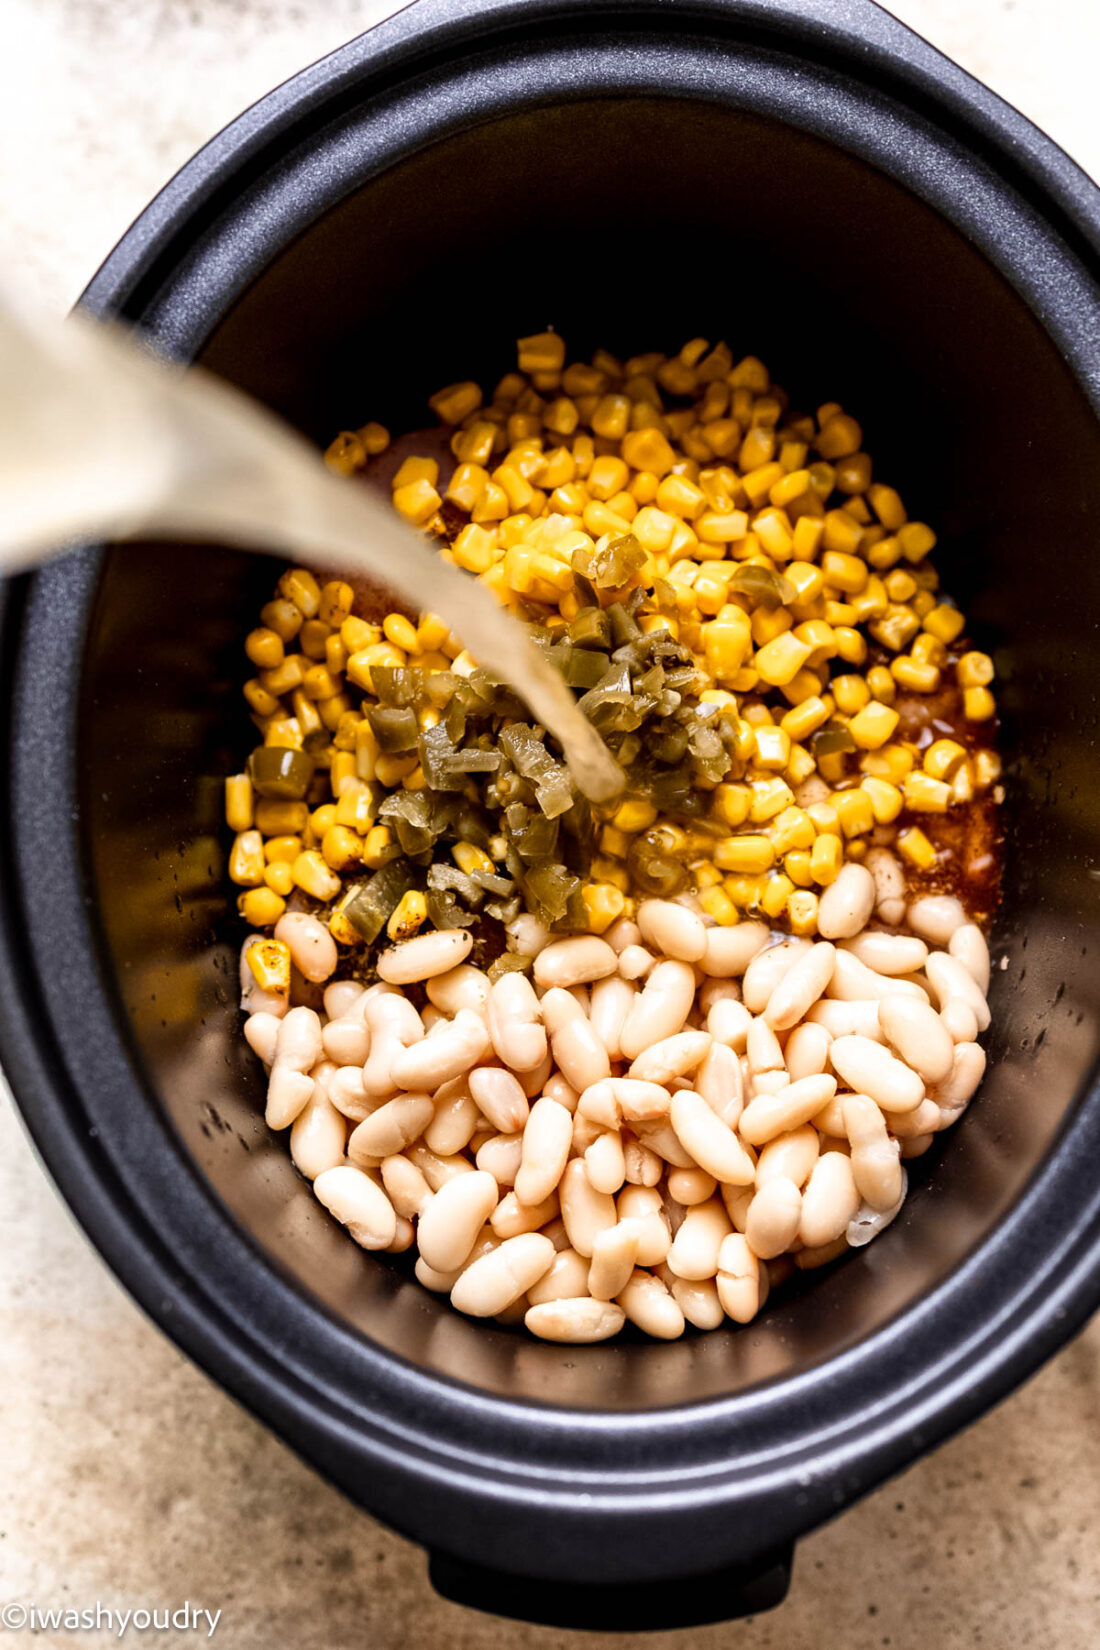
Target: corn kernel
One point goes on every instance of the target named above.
(261, 907)
(300, 587)
(801, 765)
(470, 858)
(943, 758)
(401, 632)
(341, 847)
(798, 865)
(974, 670)
(279, 877)
(269, 961)
(978, 704)
(747, 855)
(239, 802)
(379, 847)
(775, 895)
(246, 859)
(886, 799)
(717, 904)
(780, 660)
(417, 502)
(805, 718)
(892, 763)
(456, 402)
(945, 623)
(911, 674)
(541, 352)
(346, 453)
(925, 794)
(844, 571)
(826, 858)
(917, 540)
(793, 829)
(850, 692)
(409, 914)
(603, 905)
(854, 811)
(872, 726)
(375, 438)
(987, 768)
(773, 748)
(730, 804)
(802, 912)
(769, 797)
(914, 846)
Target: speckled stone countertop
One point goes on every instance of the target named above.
(127, 1477)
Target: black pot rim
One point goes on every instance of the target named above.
(415, 1446)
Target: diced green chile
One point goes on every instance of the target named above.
(832, 740)
(279, 773)
(394, 728)
(763, 586)
(374, 901)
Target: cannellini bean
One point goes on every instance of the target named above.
(598, 1105)
(605, 1162)
(967, 1071)
(661, 1009)
(455, 1121)
(515, 1023)
(584, 1210)
(736, 1200)
(575, 1045)
(694, 1250)
(547, 1137)
(738, 1283)
(767, 969)
(392, 1127)
(394, 1026)
(671, 1057)
(935, 917)
(440, 1282)
(261, 1031)
(868, 1222)
(533, 1082)
(728, 1022)
(341, 997)
(707, 1140)
(829, 1201)
(574, 961)
(660, 1137)
(403, 1238)
(875, 1162)
(491, 1284)
(789, 1156)
(829, 1120)
(614, 1253)
(586, 1133)
(623, 933)
(893, 954)
(358, 1203)
(924, 1119)
(635, 963)
(347, 1040)
(511, 1217)
(889, 880)
(435, 1169)
(960, 1020)
(847, 903)
(425, 956)
(968, 946)
(460, 987)
(347, 1094)
(847, 1019)
(916, 1146)
(501, 1157)
(698, 1301)
(719, 1081)
(868, 1068)
(566, 1279)
(691, 1186)
(644, 1206)
(612, 1001)
(556, 1088)
(451, 1052)
(312, 948)
(578, 1322)
(853, 982)
(638, 1099)
(500, 1098)
(949, 978)
(768, 1115)
(317, 1135)
(672, 930)
(298, 1045)
(767, 1082)
(647, 1303)
(762, 1050)
(774, 1217)
(807, 1050)
(405, 1186)
(729, 951)
(526, 935)
(800, 988)
(808, 1260)
(919, 1035)
(641, 1166)
(717, 991)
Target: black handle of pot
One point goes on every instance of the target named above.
(632, 1607)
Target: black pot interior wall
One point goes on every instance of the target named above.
(632, 224)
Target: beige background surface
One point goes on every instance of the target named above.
(125, 1475)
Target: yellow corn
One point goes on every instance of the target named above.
(802, 912)
(418, 502)
(409, 914)
(974, 670)
(917, 540)
(987, 769)
(924, 794)
(945, 623)
(826, 858)
(279, 877)
(239, 815)
(854, 811)
(885, 799)
(269, 961)
(542, 352)
(850, 692)
(792, 829)
(780, 660)
(872, 726)
(717, 904)
(341, 847)
(246, 859)
(456, 402)
(379, 847)
(769, 797)
(284, 850)
(261, 907)
(748, 855)
(978, 704)
(914, 846)
(300, 587)
(314, 877)
(375, 438)
(603, 905)
(912, 674)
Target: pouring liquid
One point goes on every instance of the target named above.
(102, 439)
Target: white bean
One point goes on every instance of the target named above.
(924, 1119)
(566, 1279)
(968, 946)
(455, 1121)
(728, 1022)
(762, 1049)
(435, 1060)
(847, 903)
(501, 1157)
(515, 1023)
(967, 1071)
(493, 1282)
(853, 982)
(405, 1186)
(868, 1068)
(800, 988)
(346, 1040)
(829, 1201)
(612, 1001)
(875, 1162)
(635, 963)
(698, 1301)
(647, 1303)
(605, 1162)
(392, 1127)
(556, 1088)
(511, 1217)
(317, 1135)
(341, 997)
(499, 1098)
(394, 1025)
(661, 1010)
(919, 1035)
(868, 1222)
(889, 880)
(935, 917)
(578, 1322)
(949, 978)
(261, 1031)
(719, 1081)
(623, 933)
(435, 1169)
(807, 1050)
(358, 1203)
(894, 954)
(347, 1094)
(774, 1217)
(739, 1283)
(672, 930)
(614, 1252)
(641, 1166)
(459, 987)
(574, 961)
(767, 1082)
(789, 1156)
(312, 948)
(847, 1019)
(584, 1210)
(671, 1057)
(960, 1020)
(691, 1186)
(547, 1138)
(694, 1250)
(729, 951)
(766, 970)
(768, 1115)
(427, 954)
(708, 1141)
(638, 1099)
